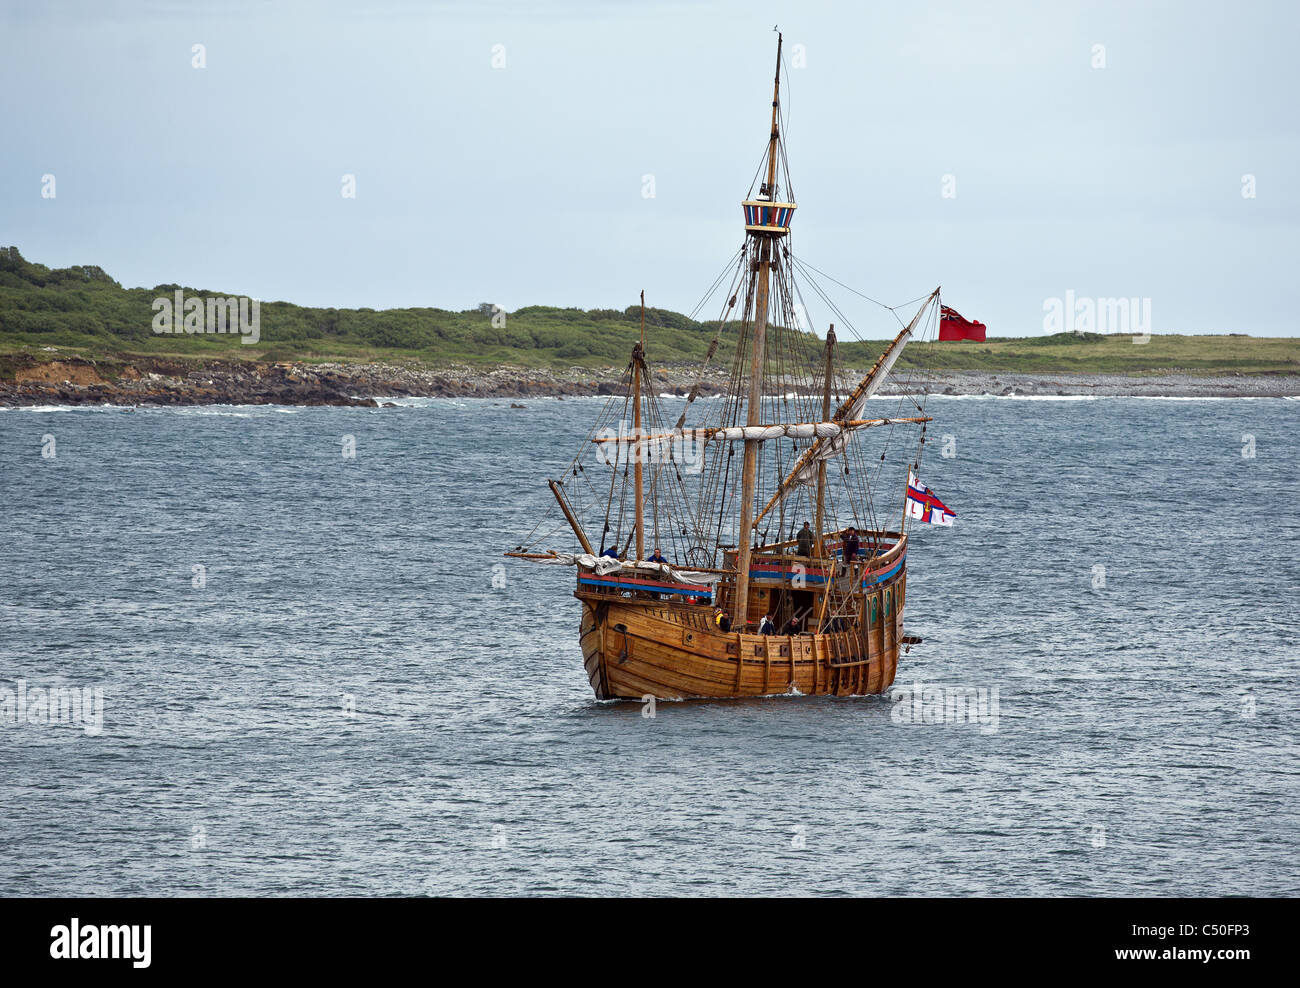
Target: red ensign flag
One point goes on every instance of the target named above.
(953, 327)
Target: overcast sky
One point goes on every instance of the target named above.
(525, 183)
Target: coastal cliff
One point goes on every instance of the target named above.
(56, 379)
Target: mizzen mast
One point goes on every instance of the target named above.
(821, 464)
(765, 221)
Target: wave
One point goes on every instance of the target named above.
(68, 408)
(1015, 397)
(231, 411)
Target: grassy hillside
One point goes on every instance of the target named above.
(1093, 353)
(82, 310)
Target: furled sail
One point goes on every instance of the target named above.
(799, 430)
(785, 430)
(605, 565)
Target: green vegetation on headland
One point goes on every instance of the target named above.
(82, 312)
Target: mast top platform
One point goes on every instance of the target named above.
(767, 218)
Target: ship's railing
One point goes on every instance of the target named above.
(882, 552)
(876, 547)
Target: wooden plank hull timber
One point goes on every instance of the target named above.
(634, 647)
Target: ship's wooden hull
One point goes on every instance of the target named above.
(633, 648)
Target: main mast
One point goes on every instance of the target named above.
(763, 218)
(638, 359)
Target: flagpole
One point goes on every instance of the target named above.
(907, 489)
(902, 524)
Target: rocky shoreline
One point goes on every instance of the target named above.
(28, 380)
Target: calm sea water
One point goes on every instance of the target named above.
(1146, 743)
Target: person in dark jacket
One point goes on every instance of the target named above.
(722, 619)
(765, 626)
(611, 552)
(852, 544)
(805, 540)
(657, 557)
(793, 627)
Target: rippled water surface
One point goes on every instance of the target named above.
(1146, 741)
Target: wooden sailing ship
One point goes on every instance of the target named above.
(723, 502)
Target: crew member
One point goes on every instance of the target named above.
(852, 544)
(805, 540)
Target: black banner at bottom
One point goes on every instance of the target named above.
(920, 937)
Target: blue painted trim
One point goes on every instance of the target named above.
(641, 586)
